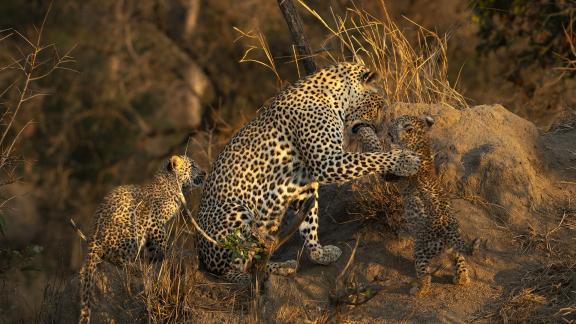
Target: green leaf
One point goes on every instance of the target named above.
(369, 292)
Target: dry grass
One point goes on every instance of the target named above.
(176, 291)
(549, 238)
(545, 292)
(409, 73)
(173, 291)
(546, 289)
(379, 200)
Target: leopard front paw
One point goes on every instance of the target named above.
(325, 255)
(407, 163)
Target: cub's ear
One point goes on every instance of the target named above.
(174, 162)
(369, 77)
(429, 121)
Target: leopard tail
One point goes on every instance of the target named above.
(87, 282)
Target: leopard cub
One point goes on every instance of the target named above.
(428, 215)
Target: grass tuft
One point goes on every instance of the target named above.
(409, 73)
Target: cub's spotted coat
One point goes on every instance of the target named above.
(427, 211)
(131, 220)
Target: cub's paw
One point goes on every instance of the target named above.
(461, 278)
(407, 163)
(421, 287)
(325, 255)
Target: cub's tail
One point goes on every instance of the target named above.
(87, 282)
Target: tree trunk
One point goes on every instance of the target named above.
(294, 22)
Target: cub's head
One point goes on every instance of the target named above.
(411, 132)
(186, 170)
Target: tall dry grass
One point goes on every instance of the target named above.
(410, 71)
(543, 294)
(177, 291)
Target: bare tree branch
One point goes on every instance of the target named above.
(294, 22)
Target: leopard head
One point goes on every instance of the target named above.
(186, 170)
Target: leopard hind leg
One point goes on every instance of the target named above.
(424, 252)
(461, 272)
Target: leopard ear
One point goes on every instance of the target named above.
(429, 121)
(369, 77)
(174, 162)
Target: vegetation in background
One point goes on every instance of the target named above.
(26, 62)
(535, 33)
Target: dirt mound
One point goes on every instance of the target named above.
(487, 153)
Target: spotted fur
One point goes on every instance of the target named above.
(131, 221)
(428, 215)
(363, 122)
(281, 157)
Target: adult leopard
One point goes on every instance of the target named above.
(280, 158)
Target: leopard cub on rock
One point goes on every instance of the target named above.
(428, 215)
(131, 221)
